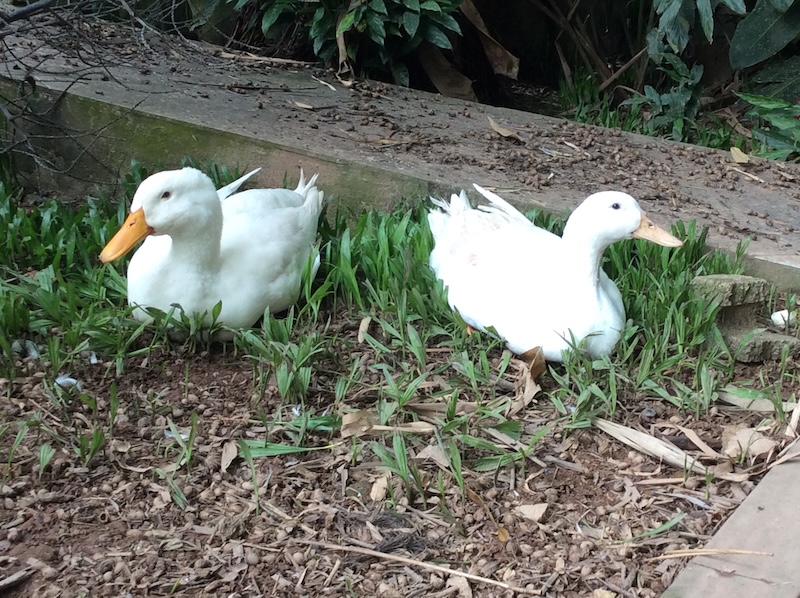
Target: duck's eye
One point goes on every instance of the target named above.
(166, 195)
(615, 206)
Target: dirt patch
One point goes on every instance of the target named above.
(117, 525)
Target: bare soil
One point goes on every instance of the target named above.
(114, 528)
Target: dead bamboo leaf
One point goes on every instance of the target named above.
(502, 533)
(535, 360)
(304, 106)
(501, 130)
(534, 513)
(503, 62)
(332, 88)
(698, 442)
(344, 73)
(363, 328)
(440, 408)
(444, 76)
(229, 451)
(739, 156)
(662, 450)
(758, 405)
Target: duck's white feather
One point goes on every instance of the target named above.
(534, 288)
(245, 249)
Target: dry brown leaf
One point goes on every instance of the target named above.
(120, 446)
(435, 453)
(502, 534)
(739, 156)
(504, 131)
(356, 423)
(444, 76)
(742, 441)
(535, 360)
(345, 72)
(533, 512)
(503, 62)
(603, 593)
(229, 451)
(378, 491)
(461, 585)
(304, 106)
(363, 328)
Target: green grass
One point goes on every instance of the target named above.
(309, 366)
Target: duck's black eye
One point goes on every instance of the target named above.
(166, 195)
(615, 206)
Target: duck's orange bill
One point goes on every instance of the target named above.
(133, 230)
(650, 232)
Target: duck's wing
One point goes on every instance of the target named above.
(233, 187)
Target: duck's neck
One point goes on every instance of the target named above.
(197, 245)
(584, 252)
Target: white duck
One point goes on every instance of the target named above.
(535, 288)
(203, 246)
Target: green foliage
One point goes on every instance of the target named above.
(676, 109)
(768, 29)
(782, 139)
(780, 79)
(376, 34)
(676, 20)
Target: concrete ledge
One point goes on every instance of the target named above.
(766, 522)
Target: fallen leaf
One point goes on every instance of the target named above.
(739, 156)
(435, 453)
(363, 328)
(603, 593)
(503, 62)
(120, 446)
(738, 441)
(356, 423)
(444, 76)
(379, 487)
(229, 451)
(504, 131)
(461, 585)
(304, 106)
(535, 360)
(502, 534)
(533, 512)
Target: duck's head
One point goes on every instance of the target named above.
(165, 203)
(611, 216)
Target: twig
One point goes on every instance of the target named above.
(622, 69)
(413, 562)
(747, 174)
(690, 552)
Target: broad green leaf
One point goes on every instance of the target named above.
(763, 33)
(346, 23)
(411, 22)
(781, 5)
(780, 79)
(412, 5)
(706, 18)
(272, 14)
(379, 6)
(431, 6)
(736, 6)
(435, 35)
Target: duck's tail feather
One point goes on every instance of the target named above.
(233, 187)
(500, 205)
(440, 216)
(310, 192)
